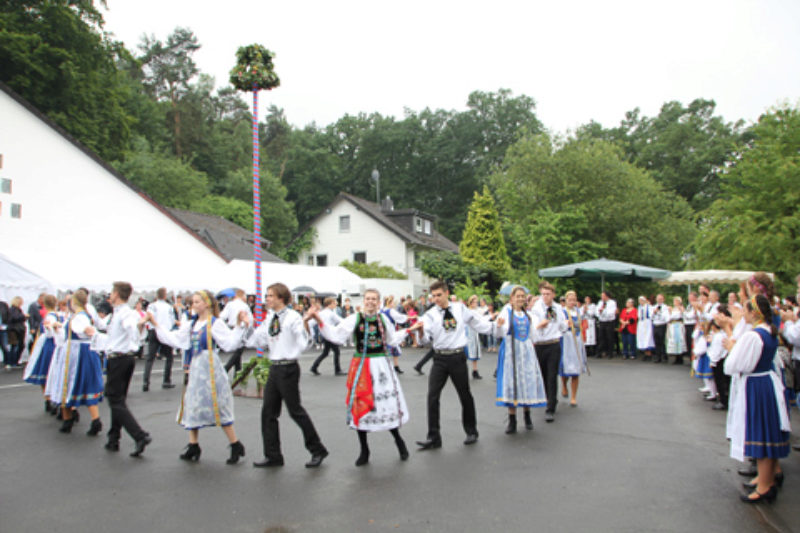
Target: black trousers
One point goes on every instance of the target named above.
(283, 386)
(660, 338)
(688, 330)
(155, 347)
(723, 382)
(452, 366)
(425, 358)
(118, 378)
(606, 338)
(235, 360)
(549, 356)
(328, 346)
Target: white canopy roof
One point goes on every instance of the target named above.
(241, 273)
(694, 277)
(18, 281)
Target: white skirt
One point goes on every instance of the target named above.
(390, 410)
(644, 335)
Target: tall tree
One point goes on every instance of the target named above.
(754, 225)
(168, 69)
(483, 244)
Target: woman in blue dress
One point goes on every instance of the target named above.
(573, 352)
(207, 399)
(519, 378)
(758, 418)
(42, 352)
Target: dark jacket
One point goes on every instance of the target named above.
(16, 325)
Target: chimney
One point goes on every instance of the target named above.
(387, 204)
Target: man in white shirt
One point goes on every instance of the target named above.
(549, 325)
(607, 318)
(443, 326)
(285, 333)
(120, 344)
(230, 314)
(329, 316)
(164, 315)
(660, 320)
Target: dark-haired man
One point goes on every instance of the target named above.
(548, 326)
(443, 325)
(164, 316)
(120, 344)
(607, 318)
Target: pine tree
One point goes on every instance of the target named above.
(482, 243)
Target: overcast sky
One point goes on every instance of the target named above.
(580, 60)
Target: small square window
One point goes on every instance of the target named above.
(360, 257)
(5, 185)
(310, 260)
(16, 210)
(418, 224)
(322, 260)
(344, 223)
(427, 227)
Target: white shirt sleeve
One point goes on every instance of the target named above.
(180, 338)
(228, 339)
(339, 333)
(476, 321)
(745, 354)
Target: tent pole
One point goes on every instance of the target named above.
(602, 283)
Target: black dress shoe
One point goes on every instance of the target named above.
(145, 387)
(472, 438)
(340, 373)
(796, 447)
(168, 386)
(719, 406)
(138, 450)
(315, 371)
(419, 371)
(268, 463)
(476, 375)
(95, 427)
(769, 496)
(429, 444)
(549, 417)
(316, 459)
(112, 446)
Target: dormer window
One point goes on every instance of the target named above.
(418, 224)
(427, 224)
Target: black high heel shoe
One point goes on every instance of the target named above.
(95, 428)
(66, 426)
(192, 453)
(778, 482)
(237, 450)
(363, 458)
(769, 496)
(512, 424)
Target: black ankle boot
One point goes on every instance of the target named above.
(528, 421)
(95, 427)
(512, 424)
(237, 450)
(192, 452)
(401, 448)
(66, 426)
(476, 375)
(76, 416)
(363, 457)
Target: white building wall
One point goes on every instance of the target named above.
(80, 225)
(365, 235)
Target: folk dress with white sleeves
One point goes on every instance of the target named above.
(78, 376)
(519, 378)
(42, 352)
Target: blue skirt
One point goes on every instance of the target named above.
(42, 367)
(704, 370)
(763, 437)
(88, 386)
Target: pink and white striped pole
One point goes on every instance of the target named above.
(257, 213)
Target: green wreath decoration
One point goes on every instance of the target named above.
(254, 67)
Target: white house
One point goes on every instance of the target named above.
(71, 218)
(354, 229)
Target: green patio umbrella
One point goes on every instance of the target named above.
(605, 270)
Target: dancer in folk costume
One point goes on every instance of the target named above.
(589, 325)
(395, 319)
(207, 399)
(78, 380)
(758, 418)
(519, 378)
(644, 329)
(573, 352)
(473, 340)
(375, 400)
(702, 363)
(43, 347)
(676, 337)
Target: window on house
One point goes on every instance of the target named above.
(16, 210)
(416, 260)
(360, 257)
(344, 223)
(5, 185)
(310, 260)
(418, 224)
(427, 227)
(322, 260)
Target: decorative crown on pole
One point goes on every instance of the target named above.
(254, 69)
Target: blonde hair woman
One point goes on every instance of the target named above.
(573, 354)
(473, 341)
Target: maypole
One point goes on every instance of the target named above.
(254, 71)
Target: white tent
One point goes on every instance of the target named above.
(241, 273)
(16, 280)
(695, 277)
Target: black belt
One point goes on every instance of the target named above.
(283, 362)
(114, 355)
(449, 352)
(547, 343)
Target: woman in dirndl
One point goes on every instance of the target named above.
(43, 347)
(676, 335)
(375, 400)
(78, 378)
(519, 377)
(758, 417)
(573, 352)
(473, 340)
(207, 398)
(645, 342)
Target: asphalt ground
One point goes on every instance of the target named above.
(641, 452)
